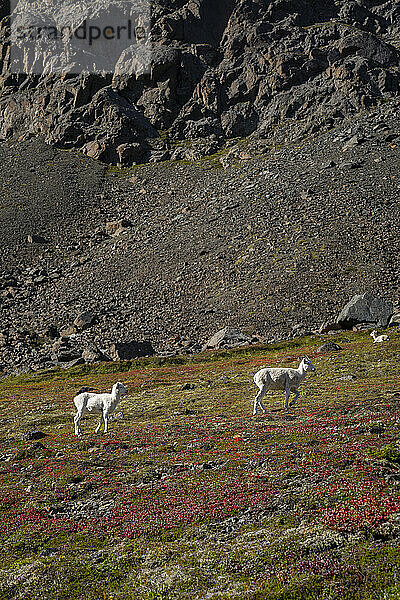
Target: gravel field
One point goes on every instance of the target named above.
(270, 239)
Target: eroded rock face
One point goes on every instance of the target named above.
(228, 69)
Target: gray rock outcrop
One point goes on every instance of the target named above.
(84, 320)
(330, 347)
(365, 309)
(228, 337)
(395, 320)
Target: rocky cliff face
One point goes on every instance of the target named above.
(218, 70)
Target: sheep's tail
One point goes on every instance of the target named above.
(256, 378)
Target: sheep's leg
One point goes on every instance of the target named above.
(258, 400)
(77, 418)
(105, 418)
(297, 394)
(261, 402)
(97, 430)
(287, 394)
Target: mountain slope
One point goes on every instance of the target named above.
(280, 238)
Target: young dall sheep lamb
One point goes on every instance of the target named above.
(379, 338)
(103, 404)
(288, 380)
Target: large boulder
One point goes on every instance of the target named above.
(228, 337)
(329, 347)
(64, 352)
(32, 435)
(395, 320)
(117, 227)
(84, 320)
(365, 308)
(128, 350)
(92, 354)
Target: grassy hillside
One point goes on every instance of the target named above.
(189, 496)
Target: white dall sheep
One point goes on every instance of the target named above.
(288, 380)
(103, 404)
(379, 338)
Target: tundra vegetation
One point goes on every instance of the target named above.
(190, 496)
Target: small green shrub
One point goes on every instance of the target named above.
(390, 452)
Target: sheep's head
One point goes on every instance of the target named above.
(121, 388)
(307, 364)
(373, 333)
